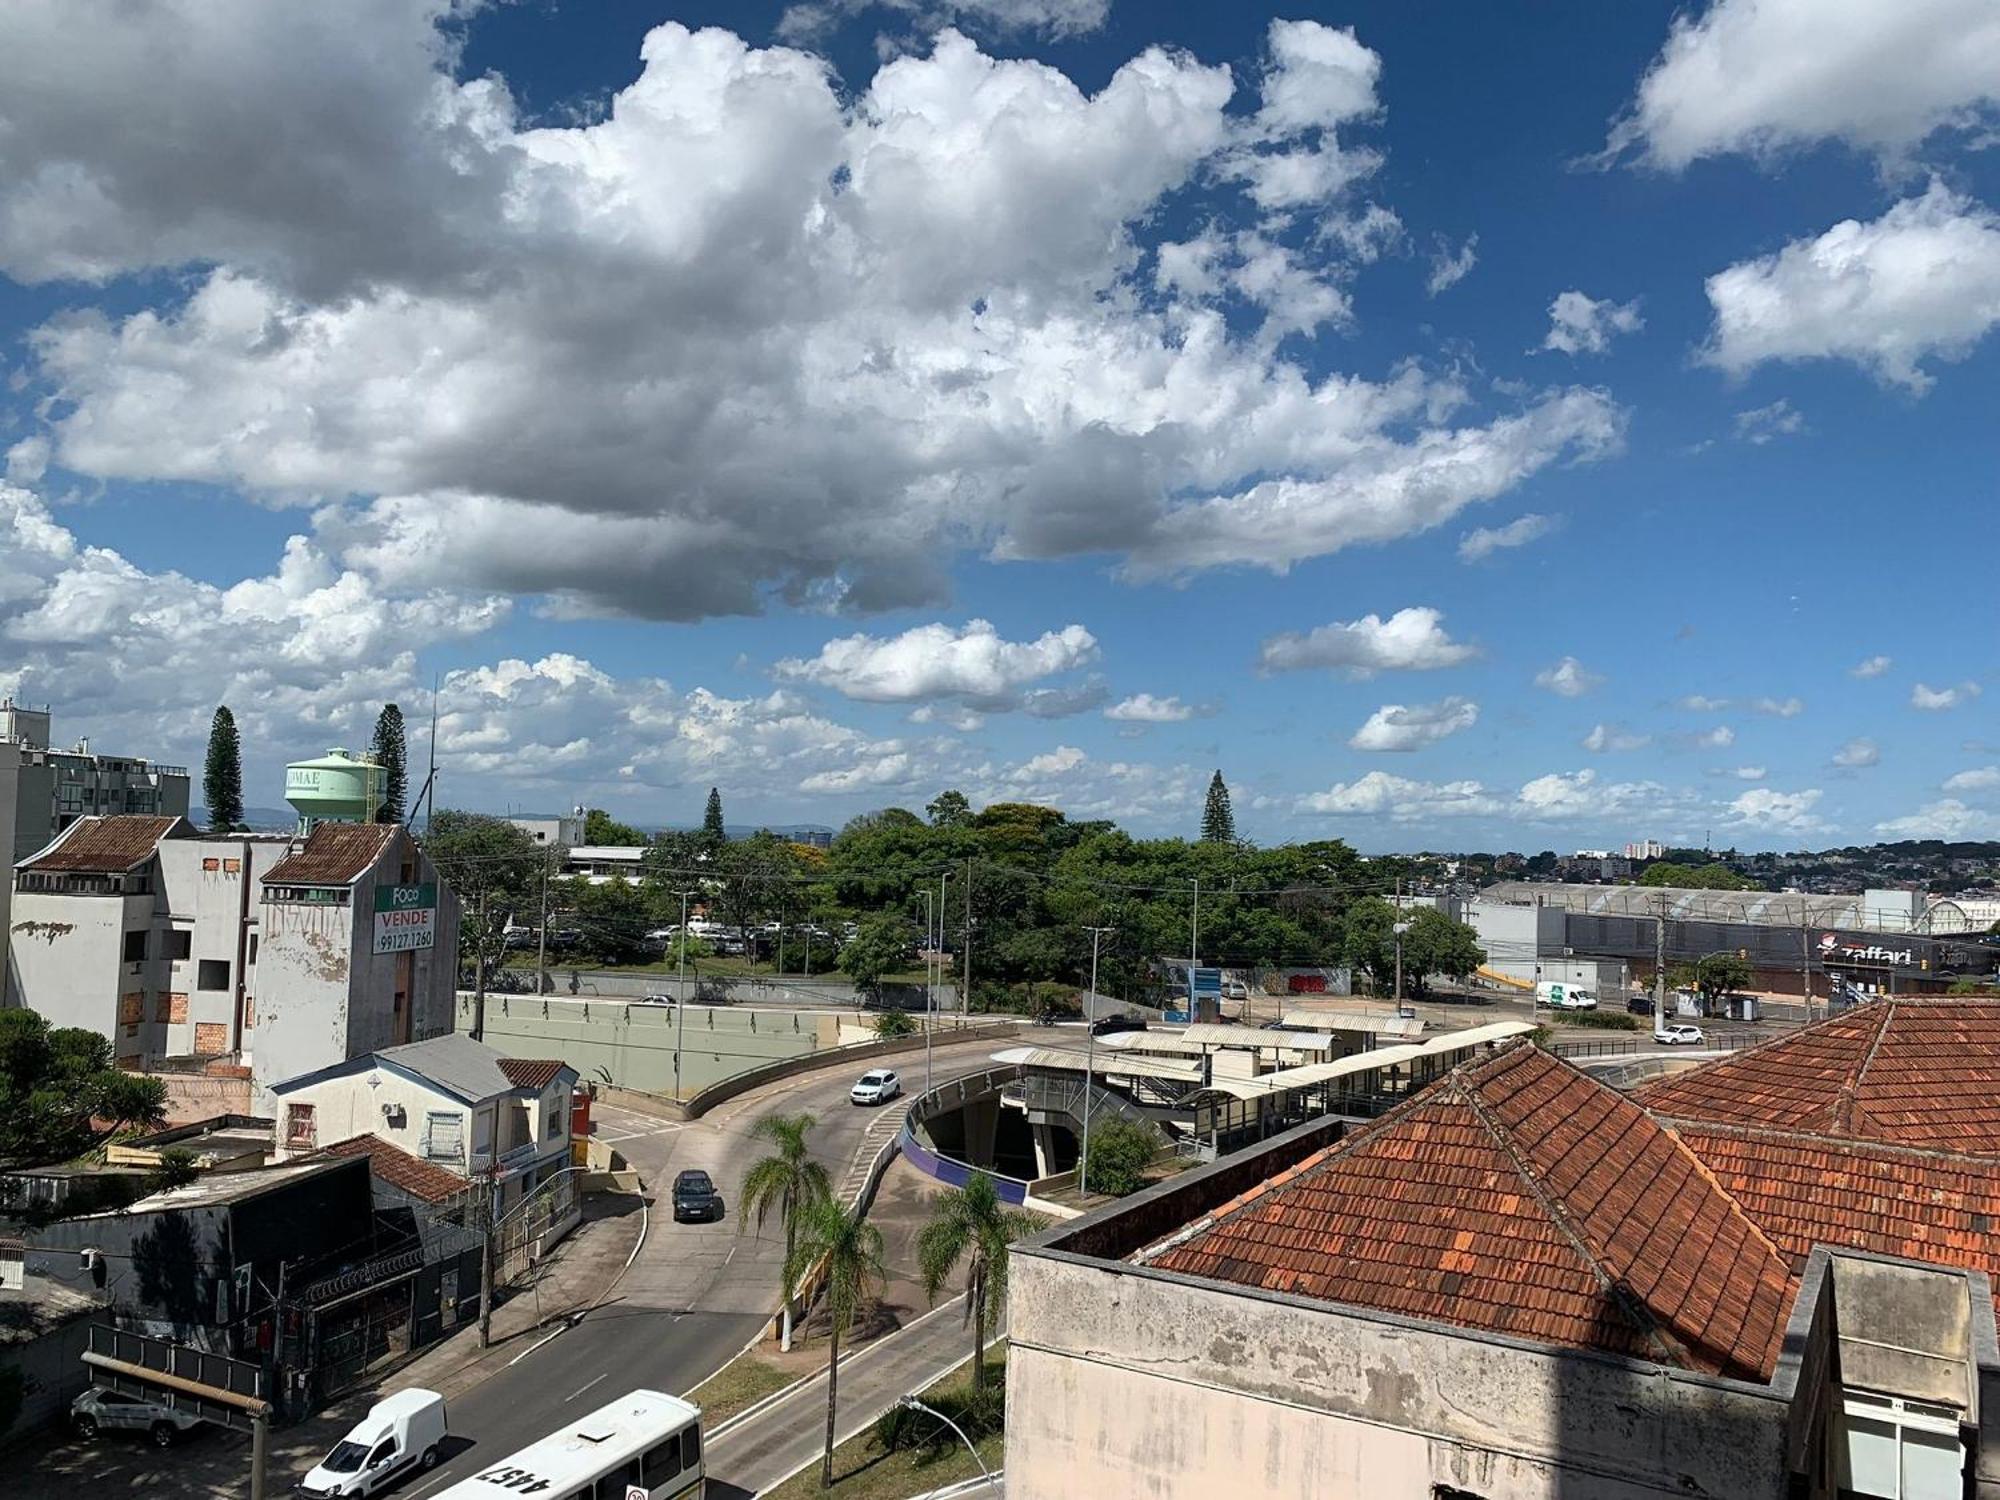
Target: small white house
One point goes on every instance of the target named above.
(449, 1101)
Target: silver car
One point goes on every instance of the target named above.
(100, 1410)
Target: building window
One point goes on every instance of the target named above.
(212, 974)
(301, 1133)
(135, 946)
(211, 1038)
(444, 1136)
(132, 1007)
(180, 943)
(1892, 1449)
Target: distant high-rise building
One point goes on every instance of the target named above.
(44, 790)
(1646, 849)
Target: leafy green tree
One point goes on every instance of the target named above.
(848, 1249)
(1712, 977)
(600, 829)
(391, 752)
(1714, 876)
(880, 947)
(222, 773)
(177, 1168)
(949, 810)
(1368, 939)
(970, 1225)
(1120, 1152)
(1435, 944)
(54, 1083)
(494, 868)
(712, 831)
(787, 1182)
(892, 1024)
(1218, 823)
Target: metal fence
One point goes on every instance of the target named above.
(1625, 1046)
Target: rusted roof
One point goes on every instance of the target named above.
(333, 854)
(531, 1072)
(107, 845)
(1922, 1073)
(1804, 1190)
(1519, 1196)
(395, 1166)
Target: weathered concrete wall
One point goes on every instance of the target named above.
(1904, 1330)
(66, 959)
(196, 1096)
(1121, 1382)
(53, 1374)
(635, 1043)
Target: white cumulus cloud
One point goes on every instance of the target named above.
(1873, 666)
(1605, 737)
(1396, 726)
(1144, 708)
(1936, 700)
(1568, 678)
(1761, 76)
(1448, 266)
(1857, 754)
(1764, 424)
(1947, 818)
(929, 662)
(1410, 640)
(1580, 324)
(1777, 812)
(1978, 779)
(1379, 793)
(1921, 282)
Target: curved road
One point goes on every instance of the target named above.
(697, 1292)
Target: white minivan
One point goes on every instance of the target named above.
(400, 1433)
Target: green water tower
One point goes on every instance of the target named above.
(337, 787)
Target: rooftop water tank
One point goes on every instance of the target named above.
(340, 786)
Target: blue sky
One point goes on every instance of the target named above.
(1510, 426)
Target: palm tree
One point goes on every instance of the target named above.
(849, 1251)
(970, 1224)
(790, 1182)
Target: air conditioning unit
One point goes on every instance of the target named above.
(392, 1114)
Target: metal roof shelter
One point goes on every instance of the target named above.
(1113, 1063)
(1382, 1024)
(1764, 908)
(1311, 1074)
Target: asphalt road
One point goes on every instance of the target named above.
(696, 1293)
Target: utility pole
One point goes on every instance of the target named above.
(1397, 927)
(1805, 958)
(1090, 1063)
(542, 935)
(927, 991)
(681, 997)
(940, 942)
(1660, 968)
(479, 975)
(486, 1264)
(1194, 935)
(965, 996)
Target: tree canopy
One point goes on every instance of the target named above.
(390, 752)
(1218, 823)
(1713, 876)
(601, 829)
(54, 1082)
(222, 773)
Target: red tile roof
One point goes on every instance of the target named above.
(415, 1176)
(1922, 1073)
(531, 1072)
(1857, 1195)
(333, 854)
(107, 846)
(1518, 1196)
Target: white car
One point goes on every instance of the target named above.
(1671, 1036)
(877, 1086)
(100, 1410)
(1235, 989)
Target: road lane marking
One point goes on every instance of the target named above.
(586, 1386)
(558, 1333)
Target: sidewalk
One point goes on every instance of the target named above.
(214, 1464)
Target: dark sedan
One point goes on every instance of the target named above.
(696, 1200)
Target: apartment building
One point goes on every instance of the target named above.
(43, 790)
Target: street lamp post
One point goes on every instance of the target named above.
(1090, 1060)
(913, 1404)
(681, 996)
(1400, 929)
(927, 990)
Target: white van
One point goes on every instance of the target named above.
(1559, 996)
(400, 1432)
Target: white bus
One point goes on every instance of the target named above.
(643, 1446)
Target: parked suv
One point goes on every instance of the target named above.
(695, 1198)
(100, 1410)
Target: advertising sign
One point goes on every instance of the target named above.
(405, 917)
(1205, 983)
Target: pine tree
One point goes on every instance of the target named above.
(222, 774)
(711, 820)
(1218, 823)
(390, 753)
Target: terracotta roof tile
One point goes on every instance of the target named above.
(333, 854)
(1922, 1073)
(1519, 1196)
(415, 1176)
(108, 845)
(531, 1072)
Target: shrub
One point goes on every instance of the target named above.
(893, 1023)
(1603, 1020)
(900, 1429)
(1120, 1152)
